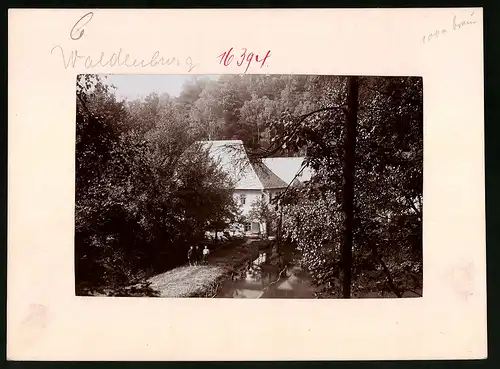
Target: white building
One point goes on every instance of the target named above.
(253, 181)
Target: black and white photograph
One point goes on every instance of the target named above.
(249, 186)
(163, 189)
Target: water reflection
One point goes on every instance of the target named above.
(267, 277)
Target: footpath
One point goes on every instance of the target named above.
(204, 280)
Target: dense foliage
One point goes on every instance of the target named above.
(387, 251)
(144, 190)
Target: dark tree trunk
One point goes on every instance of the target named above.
(279, 230)
(348, 192)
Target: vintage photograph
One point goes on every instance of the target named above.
(249, 186)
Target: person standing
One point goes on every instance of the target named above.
(190, 255)
(197, 255)
(206, 252)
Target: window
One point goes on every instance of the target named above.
(243, 199)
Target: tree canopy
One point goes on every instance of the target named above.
(144, 190)
(387, 248)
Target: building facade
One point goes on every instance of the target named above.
(254, 181)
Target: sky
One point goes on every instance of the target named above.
(133, 86)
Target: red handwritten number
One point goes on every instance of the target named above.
(249, 61)
(263, 60)
(226, 57)
(221, 57)
(242, 57)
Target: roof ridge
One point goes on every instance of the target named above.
(254, 172)
(279, 182)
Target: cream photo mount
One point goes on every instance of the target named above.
(46, 321)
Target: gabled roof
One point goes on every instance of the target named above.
(233, 159)
(287, 168)
(267, 177)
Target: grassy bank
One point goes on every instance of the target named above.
(204, 280)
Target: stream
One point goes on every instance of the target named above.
(269, 277)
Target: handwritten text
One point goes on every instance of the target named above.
(78, 27)
(455, 26)
(75, 59)
(247, 58)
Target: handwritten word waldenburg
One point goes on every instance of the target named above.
(74, 58)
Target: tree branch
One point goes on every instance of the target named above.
(304, 165)
(273, 282)
(390, 281)
(418, 213)
(305, 116)
(271, 151)
(392, 95)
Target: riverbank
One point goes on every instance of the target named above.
(205, 280)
